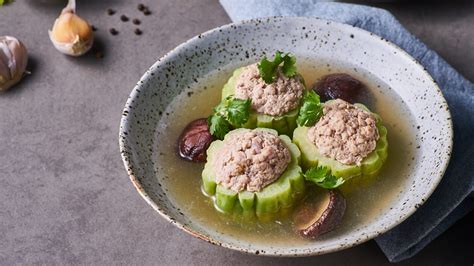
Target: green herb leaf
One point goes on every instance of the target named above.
(322, 177)
(331, 182)
(311, 109)
(289, 65)
(220, 108)
(3, 2)
(238, 111)
(269, 69)
(218, 126)
(230, 113)
(316, 174)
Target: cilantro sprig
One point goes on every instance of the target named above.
(322, 177)
(269, 69)
(311, 109)
(230, 113)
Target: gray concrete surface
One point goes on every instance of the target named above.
(65, 197)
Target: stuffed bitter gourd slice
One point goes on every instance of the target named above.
(369, 166)
(284, 124)
(271, 199)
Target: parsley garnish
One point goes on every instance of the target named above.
(311, 109)
(322, 177)
(268, 69)
(230, 113)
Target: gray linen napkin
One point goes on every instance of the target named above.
(453, 198)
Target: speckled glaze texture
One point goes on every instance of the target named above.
(239, 44)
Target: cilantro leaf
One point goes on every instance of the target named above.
(238, 111)
(218, 126)
(322, 177)
(311, 109)
(316, 174)
(268, 69)
(220, 108)
(3, 2)
(331, 182)
(289, 67)
(230, 113)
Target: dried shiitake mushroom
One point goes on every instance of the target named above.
(320, 213)
(194, 141)
(338, 86)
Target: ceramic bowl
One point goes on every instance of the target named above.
(234, 45)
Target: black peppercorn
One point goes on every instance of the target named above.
(138, 31)
(136, 21)
(141, 7)
(113, 31)
(146, 12)
(110, 12)
(123, 18)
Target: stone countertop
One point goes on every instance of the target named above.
(65, 197)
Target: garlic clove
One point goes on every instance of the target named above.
(20, 56)
(4, 74)
(13, 61)
(71, 34)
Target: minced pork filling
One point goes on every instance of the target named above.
(277, 98)
(250, 160)
(345, 132)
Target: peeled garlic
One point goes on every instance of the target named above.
(13, 60)
(71, 34)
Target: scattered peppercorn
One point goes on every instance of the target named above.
(93, 28)
(113, 31)
(141, 7)
(136, 21)
(123, 18)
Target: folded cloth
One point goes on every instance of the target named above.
(452, 199)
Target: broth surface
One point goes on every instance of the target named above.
(364, 203)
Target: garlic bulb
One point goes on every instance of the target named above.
(71, 34)
(13, 60)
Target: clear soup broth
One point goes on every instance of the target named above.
(182, 179)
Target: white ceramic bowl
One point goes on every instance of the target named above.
(239, 44)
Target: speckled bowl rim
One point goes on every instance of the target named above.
(370, 235)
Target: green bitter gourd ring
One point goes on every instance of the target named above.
(284, 124)
(273, 198)
(370, 165)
